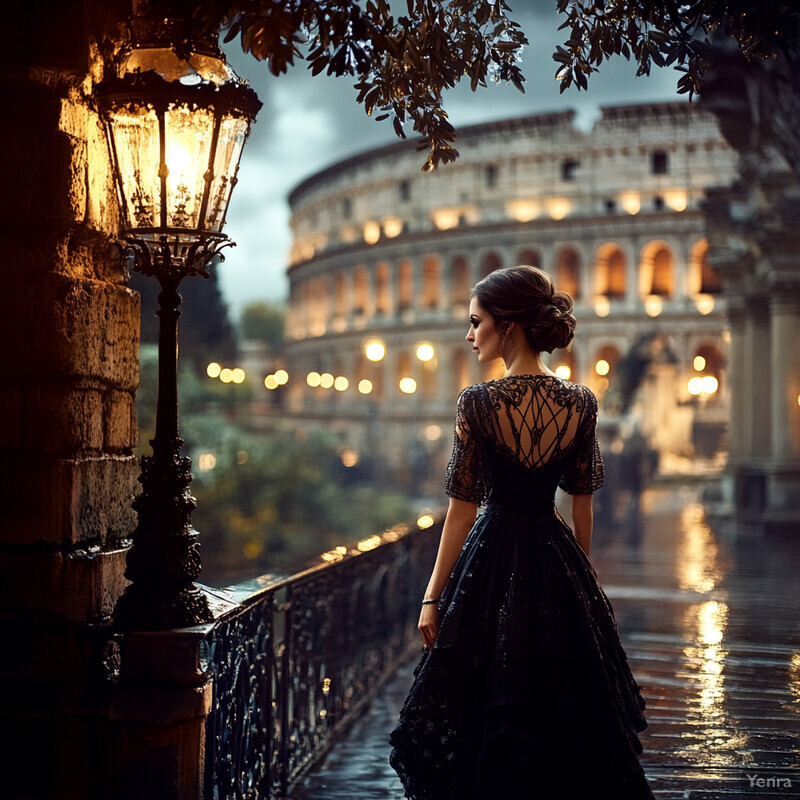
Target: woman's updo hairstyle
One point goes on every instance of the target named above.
(527, 296)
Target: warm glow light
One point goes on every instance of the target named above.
(337, 554)
(425, 521)
(408, 385)
(631, 202)
(271, 382)
(375, 351)
(653, 305)
(523, 210)
(372, 232)
(602, 306)
(704, 303)
(326, 380)
(207, 461)
(341, 383)
(365, 386)
(676, 199)
(602, 384)
(602, 367)
(392, 226)
(425, 352)
(563, 372)
(370, 543)
(213, 370)
(699, 363)
(226, 376)
(282, 377)
(238, 375)
(445, 218)
(348, 235)
(313, 379)
(558, 207)
(433, 432)
(707, 384)
(349, 457)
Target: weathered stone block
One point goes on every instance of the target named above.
(77, 587)
(119, 419)
(64, 501)
(81, 329)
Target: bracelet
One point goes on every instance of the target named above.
(430, 602)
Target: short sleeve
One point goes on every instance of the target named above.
(466, 472)
(585, 471)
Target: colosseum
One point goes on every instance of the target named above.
(384, 255)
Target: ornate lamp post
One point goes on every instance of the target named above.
(176, 119)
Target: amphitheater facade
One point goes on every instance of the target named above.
(384, 255)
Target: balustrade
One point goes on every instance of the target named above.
(293, 663)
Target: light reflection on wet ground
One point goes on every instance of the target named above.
(711, 626)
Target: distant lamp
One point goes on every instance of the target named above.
(176, 118)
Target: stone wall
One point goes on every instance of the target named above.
(69, 328)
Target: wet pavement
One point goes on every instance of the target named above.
(711, 624)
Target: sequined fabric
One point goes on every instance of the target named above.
(527, 692)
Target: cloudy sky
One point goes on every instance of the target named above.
(308, 123)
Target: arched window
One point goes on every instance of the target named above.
(383, 304)
(405, 285)
(610, 271)
(340, 293)
(360, 290)
(530, 257)
(459, 281)
(430, 282)
(491, 262)
(568, 267)
(663, 273)
(657, 270)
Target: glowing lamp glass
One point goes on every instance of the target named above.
(175, 129)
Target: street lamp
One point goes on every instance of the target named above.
(176, 118)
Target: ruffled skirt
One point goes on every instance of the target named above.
(527, 692)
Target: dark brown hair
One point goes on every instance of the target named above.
(528, 296)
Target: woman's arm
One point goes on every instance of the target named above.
(457, 524)
(582, 520)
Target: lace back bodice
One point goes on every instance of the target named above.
(518, 438)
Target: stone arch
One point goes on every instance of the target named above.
(383, 300)
(459, 281)
(360, 290)
(340, 293)
(610, 271)
(529, 256)
(490, 262)
(431, 282)
(657, 270)
(405, 284)
(568, 270)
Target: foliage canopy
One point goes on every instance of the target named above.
(405, 55)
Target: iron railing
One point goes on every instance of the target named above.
(296, 661)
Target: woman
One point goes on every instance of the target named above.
(523, 690)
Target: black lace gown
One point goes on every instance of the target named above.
(527, 691)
